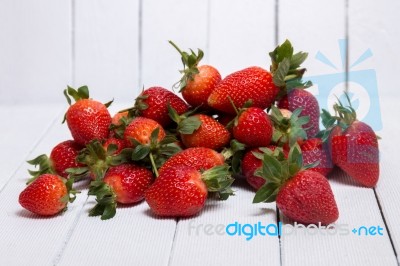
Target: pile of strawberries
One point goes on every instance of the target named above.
(173, 153)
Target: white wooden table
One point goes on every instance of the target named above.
(117, 46)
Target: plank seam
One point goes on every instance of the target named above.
(171, 253)
(140, 43)
(70, 232)
(276, 22)
(73, 42)
(31, 150)
(385, 223)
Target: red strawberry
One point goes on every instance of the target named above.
(62, 157)
(47, 195)
(197, 82)
(200, 130)
(182, 190)
(151, 145)
(252, 161)
(300, 98)
(253, 127)
(125, 183)
(307, 198)
(140, 129)
(116, 119)
(292, 96)
(199, 158)
(210, 134)
(87, 119)
(314, 150)
(353, 144)
(253, 83)
(302, 195)
(153, 103)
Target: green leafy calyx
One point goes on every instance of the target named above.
(218, 179)
(286, 70)
(277, 170)
(288, 130)
(190, 62)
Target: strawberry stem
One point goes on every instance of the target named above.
(153, 164)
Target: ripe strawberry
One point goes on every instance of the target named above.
(197, 82)
(182, 190)
(314, 151)
(302, 195)
(287, 76)
(116, 119)
(253, 83)
(140, 129)
(125, 183)
(153, 103)
(210, 134)
(87, 119)
(252, 161)
(199, 158)
(300, 98)
(151, 144)
(252, 127)
(200, 130)
(47, 195)
(353, 144)
(62, 157)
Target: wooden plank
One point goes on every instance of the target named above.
(34, 50)
(41, 239)
(182, 21)
(106, 48)
(198, 241)
(27, 123)
(357, 206)
(374, 43)
(241, 34)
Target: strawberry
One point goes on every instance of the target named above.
(252, 162)
(300, 98)
(353, 144)
(292, 96)
(62, 157)
(153, 103)
(200, 130)
(199, 158)
(197, 82)
(150, 142)
(47, 195)
(140, 129)
(252, 127)
(125, 183)
(314, 150)
(116, 119)
(253, 83)
(302, 195)
(182, 191)
(87, 119)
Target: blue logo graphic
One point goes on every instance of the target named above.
(362, 84)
